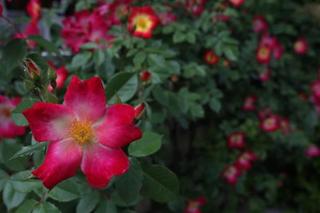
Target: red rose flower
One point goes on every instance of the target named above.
(260, 24)
(142, 21)
(236, 140)
(236, 3)
(231, 174)
(312, 151)
(196, 7)
(270, 123)
(83, 132)
(83, 27)
(194, 206)
(8, 129)
(211, 58)
(263, 54)
(249, 103)
(301, 46)
(34, 9)
(245, 160)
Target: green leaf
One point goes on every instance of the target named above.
(17, 116)
(179, 37)
(81, 59)
(11, 197)
(106, 207)
(28, 150)
(65, 191)
(46, 208)
(139, 58)
(88, 202)
(13, 53)
(42, 42)
(26, 206)
(19, 119)
(118, 82)
(9, 148)
(215, 104)
(128, 90)
(147, 145)
(128, 185)
(160, 184)
(3, 179)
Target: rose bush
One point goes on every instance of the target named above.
(159, 106)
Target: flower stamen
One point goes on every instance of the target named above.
(81, 132)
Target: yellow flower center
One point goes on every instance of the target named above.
(299, 45)
(81, 132)
(264, 52)
(269, 123)
(142, 23)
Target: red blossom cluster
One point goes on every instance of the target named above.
(85, 26)
(242, 164)
(194, 206)
(244, 161)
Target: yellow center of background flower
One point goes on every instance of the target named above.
(142, 23)
(81, 132)
(264, 52)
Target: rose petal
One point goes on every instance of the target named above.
(86, 98)
(49, 122)
(117, 129)
(101, 163)
(62, 160)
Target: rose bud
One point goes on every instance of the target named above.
(249, 103)
(145, 76)
(236, 140)
(231, 174)
(139, 110)
(301, 46)
(32, 68)
(312, 151)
